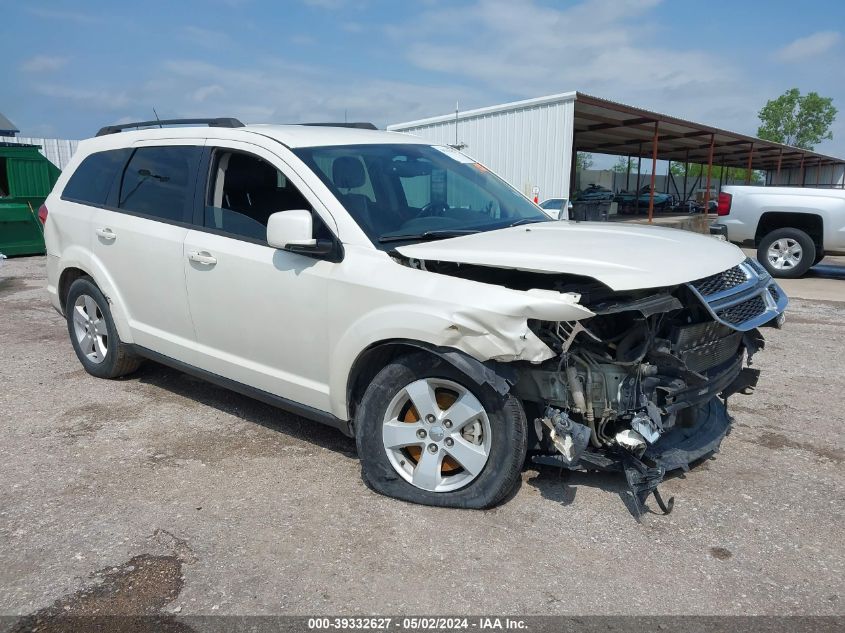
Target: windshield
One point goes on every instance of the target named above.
(407, 193)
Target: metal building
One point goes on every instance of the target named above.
(57, 150)
(528, 143)
(532, 143)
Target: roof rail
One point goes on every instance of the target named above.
(361, 125)
(219, 122)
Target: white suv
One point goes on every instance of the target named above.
(406, 295)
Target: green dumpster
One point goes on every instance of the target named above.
(26, 178)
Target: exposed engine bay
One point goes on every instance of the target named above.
(643, 385)
(637, 387)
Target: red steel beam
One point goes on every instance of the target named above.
(654, 144)
(748, 168)
(709, 174)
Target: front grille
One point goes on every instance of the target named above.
(755, 298)
(719, 282)
(690, 336)
(742, 312)
(705, 345)
(757, 266)
(713, 353)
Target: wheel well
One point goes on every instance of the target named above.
(810, 223)
(498, 376)
(69, 275)
(369, 363)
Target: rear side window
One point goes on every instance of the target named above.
(159, 182)
(91, 181)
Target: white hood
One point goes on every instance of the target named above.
(623, 257)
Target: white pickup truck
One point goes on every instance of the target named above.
(792, 228)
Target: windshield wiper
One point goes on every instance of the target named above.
(427, 235)
(526, 221)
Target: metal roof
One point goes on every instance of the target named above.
(609, 127)
(6, 125)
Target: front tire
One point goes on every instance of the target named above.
(427, 433)
(787, 253)
(93, 333)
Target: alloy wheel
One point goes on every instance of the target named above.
(784, 254)
(89, 327)
(436, 435)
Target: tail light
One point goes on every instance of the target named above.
(724, 205)
(42, 213)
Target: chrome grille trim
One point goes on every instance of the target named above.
(744, 305)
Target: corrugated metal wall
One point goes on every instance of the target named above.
(529, 146)
(57, 151)
(830, 176)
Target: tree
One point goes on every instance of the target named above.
(717, 173)
(583, 161)
(624, 164)
(800, 121)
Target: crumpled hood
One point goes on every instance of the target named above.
(623, 257)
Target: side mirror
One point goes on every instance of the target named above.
(294, 231)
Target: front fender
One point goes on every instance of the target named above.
(481, 334)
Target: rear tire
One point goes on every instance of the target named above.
(93, 333)
(476, 463)
(786, 253)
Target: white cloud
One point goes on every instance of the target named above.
(612, 49)
(808, 47)
(101, 99)
(277, 91)
(325, 4)
(43, 64)
(65, 16)
(207, 38)
(204, 92)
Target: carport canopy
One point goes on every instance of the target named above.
(609, 127)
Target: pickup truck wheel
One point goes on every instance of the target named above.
(787, 253)
(428, 434)
(93, 333)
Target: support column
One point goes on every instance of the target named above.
(653, 174)
(801, 171)
(748, 168)
(780, 158)
(639, 164)
(709, 173)
(819, 173)
(628, 173)
(686, 174)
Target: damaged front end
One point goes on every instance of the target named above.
(637, 387)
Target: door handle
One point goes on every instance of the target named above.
(106, 234)
(202, 257)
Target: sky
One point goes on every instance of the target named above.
(72, 67)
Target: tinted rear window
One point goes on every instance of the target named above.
(91, 181)
(159, 182)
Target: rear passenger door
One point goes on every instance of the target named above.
(139, 237)
(259, 312)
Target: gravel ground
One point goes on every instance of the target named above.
(160, 493)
